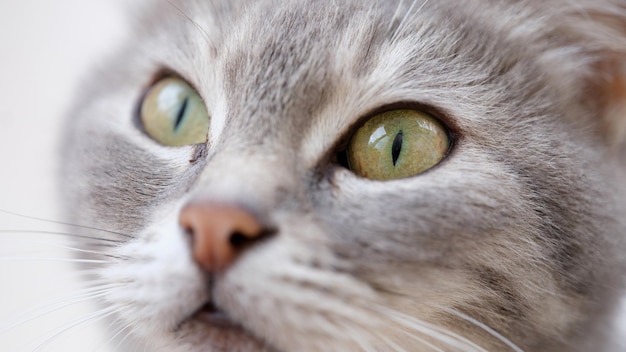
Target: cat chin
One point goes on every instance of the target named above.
(198, 335)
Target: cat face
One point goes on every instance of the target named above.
(264, 234)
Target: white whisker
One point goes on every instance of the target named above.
(440, 334)
(395, 15)
(64, 223)
(99, 315)
(422, 341)
(406, 17)
(66, 260)
(391, 344)
(80, 294)
(58, 233)
(108, 342)
(62, 246)
(83, 277)
(126, 335)
(484, 327)
(354, 336)
(57, 305)
(203, 32)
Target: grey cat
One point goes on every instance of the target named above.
(358, 175)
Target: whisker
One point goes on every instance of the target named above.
(484, 327)
(440, 334)
(81, 276)
(422, 341)
(354, 335)
(61, 260)
(406, 17)
(127, 335)
(57, 245)
(79, 294)
(184, 14)
(99, 315)
(395, 15)
(391, 344)
(58, 233)
(84, 277)
(57, 305)
(421, 7)
(110, 340)
(64, 223)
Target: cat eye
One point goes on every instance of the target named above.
(397, 144)
(173, 114)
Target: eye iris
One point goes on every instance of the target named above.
(173, 114)
(397, 144)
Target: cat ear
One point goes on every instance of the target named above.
(613, 101)
(611, 75)
(607, 40)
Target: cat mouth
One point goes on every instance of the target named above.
(212, 315)
(216, 328)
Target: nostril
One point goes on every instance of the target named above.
(238, 240)
(241, 241)
(188, 230)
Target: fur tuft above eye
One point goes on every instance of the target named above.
(397, 144)
(173, 114)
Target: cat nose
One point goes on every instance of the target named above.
(219, 233)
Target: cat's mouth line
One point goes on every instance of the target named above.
(211, 314)
(216, 319)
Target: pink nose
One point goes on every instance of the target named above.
(218, 233)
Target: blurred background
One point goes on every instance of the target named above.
(45, 49)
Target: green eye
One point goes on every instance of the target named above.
(173, 114)
(397, 144)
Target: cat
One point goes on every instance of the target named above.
(356, 175)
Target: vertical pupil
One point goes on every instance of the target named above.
(181, 113)
(396, 148)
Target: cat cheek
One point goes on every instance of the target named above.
(161, 284)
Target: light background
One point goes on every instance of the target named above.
(45, 47)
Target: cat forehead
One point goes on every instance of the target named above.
(296, 59)
(279, 69)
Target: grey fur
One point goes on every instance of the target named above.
(520, 228)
